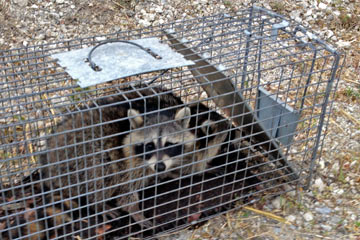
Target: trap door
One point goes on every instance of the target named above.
(279, 119)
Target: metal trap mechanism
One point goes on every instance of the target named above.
(104, 139)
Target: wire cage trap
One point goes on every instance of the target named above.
(153, 152)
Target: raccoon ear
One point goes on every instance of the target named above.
(135, 119)
(183, 117)
(207, 124)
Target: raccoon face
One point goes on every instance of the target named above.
(159, 144)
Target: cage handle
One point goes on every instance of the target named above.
(97, 68)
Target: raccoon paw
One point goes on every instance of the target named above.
(146, 224)
(140, 219)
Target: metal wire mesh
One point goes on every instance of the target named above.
(196, 144)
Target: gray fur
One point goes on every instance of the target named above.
(102, 168)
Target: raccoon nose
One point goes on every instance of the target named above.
(159, 167)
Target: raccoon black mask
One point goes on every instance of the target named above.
(160, 139)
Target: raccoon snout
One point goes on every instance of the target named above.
(160, 167)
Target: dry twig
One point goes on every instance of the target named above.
(351, 118)
(268, 214)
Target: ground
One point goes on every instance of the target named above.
(330, 209)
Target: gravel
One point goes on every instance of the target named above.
(331, 208)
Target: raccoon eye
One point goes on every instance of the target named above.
(173, 149)
(149, 147)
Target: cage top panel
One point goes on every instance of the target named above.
(118, 60)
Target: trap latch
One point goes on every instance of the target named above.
(276, 27)
(97, 68)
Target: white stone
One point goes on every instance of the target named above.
(100, 39)
(308, 216)
(323, 210)
(335, 167)
(298, 19)
(295, 14)
(303, 4)
(278, 202)
(144, 22)
(60, 1)
(291, 218)
(21, 3)
(322, 6)
(336, 13)
(150, 17)
(28, 90)
(38, 113)
(353, 163)
(40, 124)
(343, 44)
(291, 191)
(158, 9)
(326, 227)
(55, 15)
(308, 13)
(339, 191)
(40, 37)
(319, 184)
(267, 5)
(329, 33)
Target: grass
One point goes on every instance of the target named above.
(227, 3)
(348, 21)
(348, 94)
(278, 6)
(125, 4)
(352, 92)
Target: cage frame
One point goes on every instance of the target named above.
(208, 75)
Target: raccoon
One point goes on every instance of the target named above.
(161, 148)
(208, 127)
(97, 151)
